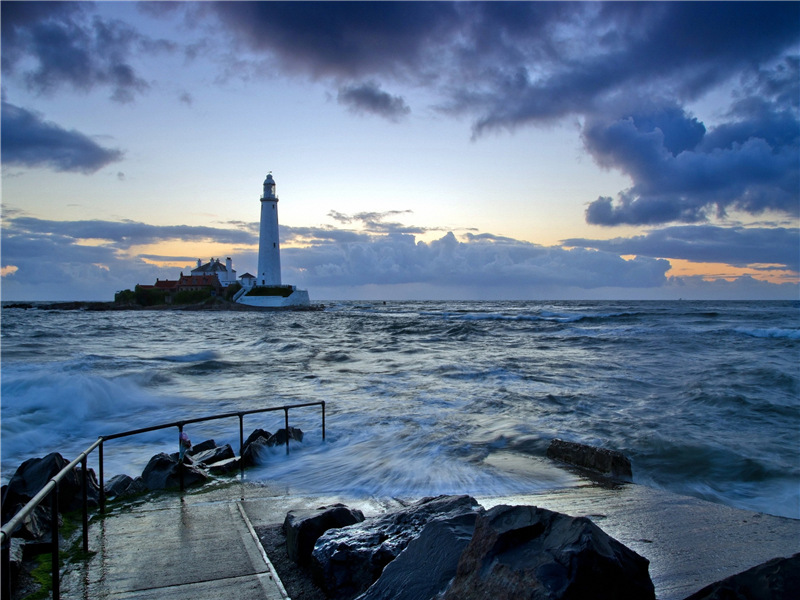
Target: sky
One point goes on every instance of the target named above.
(421, 150)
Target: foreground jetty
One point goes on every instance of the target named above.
(208, 543)
(593, 534)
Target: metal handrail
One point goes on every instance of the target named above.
(51, 487)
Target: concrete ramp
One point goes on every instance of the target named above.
(175, 549)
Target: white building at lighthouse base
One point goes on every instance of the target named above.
(277, 296)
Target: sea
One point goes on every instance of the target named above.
(425, 398)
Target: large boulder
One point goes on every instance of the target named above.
(38, 525)
(346, 561)
(213, 455)
(254, 449)
(124, 485)
(201, 447)
(32, 475)
(279, 437)
(255, 452)
(162, 473)
(607, 462)
(777, 579)
(304, 527)
(534, 553)
(424, 569)
(257, 433)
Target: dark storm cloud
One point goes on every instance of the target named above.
(340, 39)
(736, 246)
(621, 48)
(681, 172)
(369, 98)
(30, 141)
(55, 44)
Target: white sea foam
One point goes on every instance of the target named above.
(772, 332)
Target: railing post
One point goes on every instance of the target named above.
(241, 444)
(323, 420)
(84, 482)
(286, 420)
(102, 484)
(180, 456)
(54, 546)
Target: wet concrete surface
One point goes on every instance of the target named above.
(202, 546)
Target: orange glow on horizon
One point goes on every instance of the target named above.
(715, 271)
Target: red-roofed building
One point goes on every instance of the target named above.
(168, 285)
(190, 283)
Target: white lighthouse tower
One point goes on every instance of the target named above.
(268, 291)
(269, 246)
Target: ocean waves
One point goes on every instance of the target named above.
(430, 397)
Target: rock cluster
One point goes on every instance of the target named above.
(449, 547)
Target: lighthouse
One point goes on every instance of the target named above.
(269, 246)
(268, 291)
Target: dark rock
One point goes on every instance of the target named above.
(92, 487)
(304, 527)
(162, 472)
(120, 486)
(213, 455)
(37, 525)
(424, 569)
(32, 475)
(257, 433)
(224, 467)
(346, 561)
(201, 447)
(607, 462)
(279, 438)
(777, 579)
(255, 452)
(187, 458)
(117, 485)
(534, 553)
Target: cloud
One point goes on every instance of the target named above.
(369, 98)
(737, 246)
(53, 260)
(88, 260)
(373, 222)
(591, 57)
(122, 235)
(28, 140)
(626, 71)
(476, 263)
(681, 172)
(51, 45)
(340, 39)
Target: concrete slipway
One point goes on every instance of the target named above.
(202, 546)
